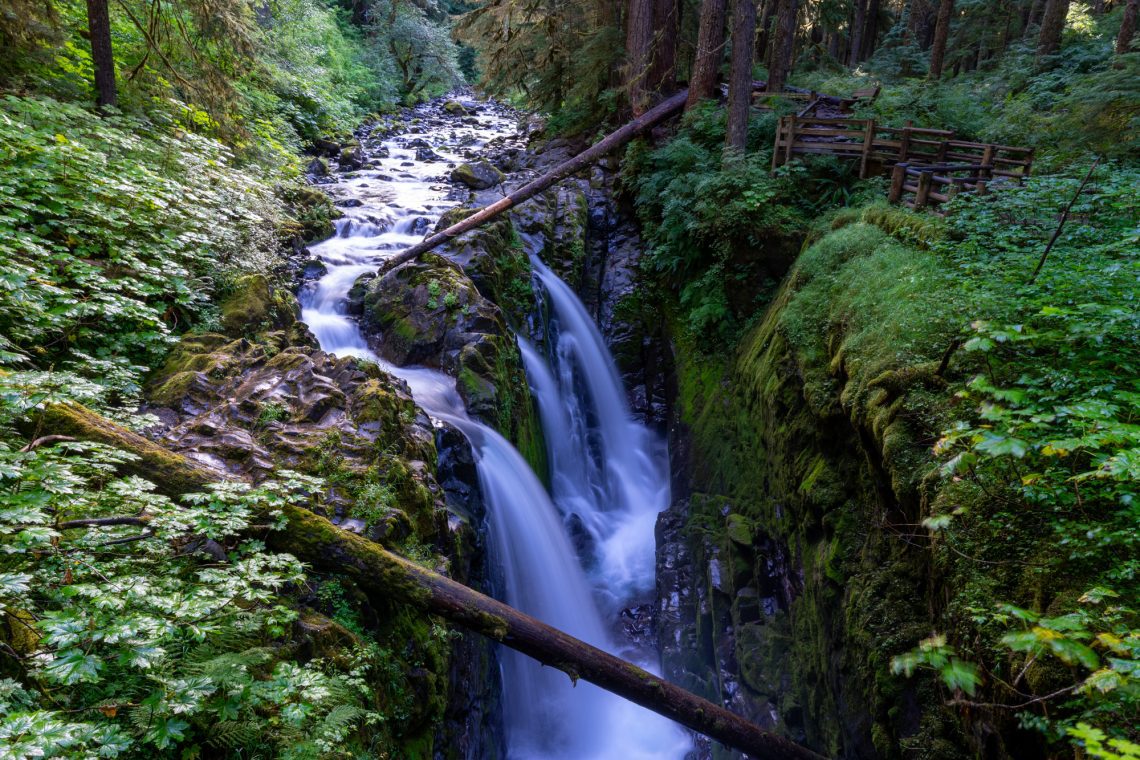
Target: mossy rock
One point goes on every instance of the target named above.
(455, 108)
(253, 304)
(479, 175)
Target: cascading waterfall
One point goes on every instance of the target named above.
(607, 470)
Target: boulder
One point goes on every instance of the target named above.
(455, 108)
(352, 158)
(479, 175)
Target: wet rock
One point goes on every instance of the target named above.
(427, 155)
(410, 312)
(253, 305)
(420, 225)
(318, 167)
(352, 158)
(326, 148)
(479, 175)
(455, 108)
(350, 203)
(382, 152)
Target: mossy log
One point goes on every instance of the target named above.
(315, 540)
(610, 143)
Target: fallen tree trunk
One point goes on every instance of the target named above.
(610, 143)
(315, 540)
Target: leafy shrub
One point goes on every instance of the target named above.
(115, 232)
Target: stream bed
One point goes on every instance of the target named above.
(576, 554)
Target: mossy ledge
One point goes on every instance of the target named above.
(815, 439)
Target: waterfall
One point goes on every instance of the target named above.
(607, 471)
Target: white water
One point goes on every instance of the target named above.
(606, 469)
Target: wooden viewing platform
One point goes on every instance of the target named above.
(930, 157)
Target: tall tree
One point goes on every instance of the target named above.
(1052, 25)
(941, 34)
(740, 76)
(858, 23)
(710, 51)
(785, 43)
(765, 29)
(638, 43)
(103, 58)
(666, 28)
(871, 31)
(1127, 27)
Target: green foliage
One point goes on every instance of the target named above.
(722, 234)
(1042, 479)
(556, 57)
(419, 48)
(115, 232)
(1084, 99)
(145, 637)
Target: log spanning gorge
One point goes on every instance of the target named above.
(576, 551)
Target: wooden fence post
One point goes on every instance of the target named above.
(898, 179)
(904, 143)
(925, 181)
(986, 173)
(868, 143)
(777, 146)
(791, 138)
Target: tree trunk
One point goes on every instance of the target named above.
(855, 38)
(316, 541)
(612, 142)
(740, 78)
(871, 33)
(666, 28)
(1052, 25)
(941, 34)
(103, 58)
(784, 48)
(638, 41)
(1127, 27)
(765, 35)
(710, 52)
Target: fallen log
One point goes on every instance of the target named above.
(316, 541)
(610, 143)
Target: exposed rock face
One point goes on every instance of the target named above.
(272, 400)
(479, 175)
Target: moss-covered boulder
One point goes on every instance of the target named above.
(478, 175)
(455, 108)
(430, 312)
(253, 305)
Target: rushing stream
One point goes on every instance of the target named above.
(609, 474)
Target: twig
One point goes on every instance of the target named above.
(1000, 706)
(45, 440)
(99, 522)
(949, 354)
(1064, 218)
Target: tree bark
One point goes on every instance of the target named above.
(871, 33)
(855, 39)
(740, 78)
(102, 56)
(941, 34)
(1127, 27)
(710, 52)
(638, 42)
(666, 28)
(1052, 25)
(785, 39)
(612, 142)
(315, 540)
(765, 30)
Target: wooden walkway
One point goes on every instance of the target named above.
(927, 166)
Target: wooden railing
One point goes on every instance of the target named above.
(878, 149)
(930, 185)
